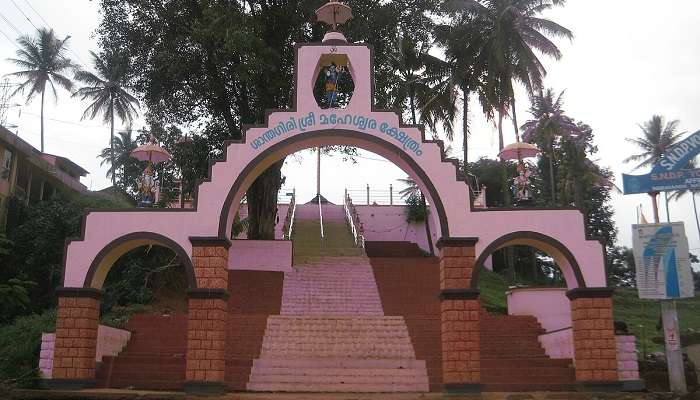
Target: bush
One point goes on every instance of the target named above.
(20, 344)
(118, 316)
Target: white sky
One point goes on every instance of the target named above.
(630, 59)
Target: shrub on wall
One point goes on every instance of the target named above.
(20, 345)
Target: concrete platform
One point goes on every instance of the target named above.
(115, 394)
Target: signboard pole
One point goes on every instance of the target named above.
(674, 354)
(669, 319)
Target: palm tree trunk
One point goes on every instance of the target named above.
(500, 129)
(465, 127)
(42, 118)
(515, 120)
(111, 141)
(551, 171)
(427, 225)
(413, 105)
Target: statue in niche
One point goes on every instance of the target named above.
(333, 74)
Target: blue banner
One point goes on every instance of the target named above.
(668, 173)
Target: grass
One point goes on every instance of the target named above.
(309, 247)
(641, 316)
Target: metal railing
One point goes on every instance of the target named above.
(380, 197)
(288, 227)
(353, 220)
(320, 214)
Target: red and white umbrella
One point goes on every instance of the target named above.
(151, 152)
(334, 13)
(518, 151)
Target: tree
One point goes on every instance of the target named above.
(462, 71)
(217, 66)
(417, 208)
(43, 60)
(123, 169)
(657, 136)
(107, 91)
(512, 30)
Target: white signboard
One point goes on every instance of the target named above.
(662, 259)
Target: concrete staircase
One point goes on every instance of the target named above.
(332, 335)
(512, 359)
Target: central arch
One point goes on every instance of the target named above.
(328, 138)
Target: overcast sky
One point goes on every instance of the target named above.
(630, 59)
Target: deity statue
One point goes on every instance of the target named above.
(333, 73)
(147, 188)
(521, 184)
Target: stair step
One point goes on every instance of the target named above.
(338, 387)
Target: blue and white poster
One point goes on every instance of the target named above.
(661, 256)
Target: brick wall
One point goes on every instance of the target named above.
(210, 266)
(459, 316)
(206, 340)
(595, 346)
(460, 341)
(76, 338)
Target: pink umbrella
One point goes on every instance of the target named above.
(151, 152)
(334, 13)
(518, 151)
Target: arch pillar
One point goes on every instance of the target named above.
(459, 317)
(595, 348)
(77, 320)
(208, 311)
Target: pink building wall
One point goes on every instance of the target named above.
(260, 255)
(286, 132)
(388, 223)
(552, 309)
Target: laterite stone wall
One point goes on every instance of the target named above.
(460, 341)
(459, 316)
(76, 338)
(206, 340)
(595, 346)
(210, 266)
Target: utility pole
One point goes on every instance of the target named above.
(669, 319)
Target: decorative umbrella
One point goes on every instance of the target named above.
(518, 151)
(151, 152)
(334, 13)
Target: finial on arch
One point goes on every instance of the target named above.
(334, 13)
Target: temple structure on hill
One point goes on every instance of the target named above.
(329, 307)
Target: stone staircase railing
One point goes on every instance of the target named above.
(353, 220)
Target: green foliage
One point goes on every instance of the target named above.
(20, 344)
(621, 267)
(643, 317)
(39, 239)
(490, 174)
(118, 316)
(14, 297)
(416, 211)
(493, 289)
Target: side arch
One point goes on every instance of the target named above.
(554, 248)
(105, 259)
(324, 138)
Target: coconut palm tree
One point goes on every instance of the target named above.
(107, 89)
(511, 32)
(657, 136)
(123, 169)
(412, 62)
(42, 59)
(548, 124)
(460, 74)
(412, 194)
